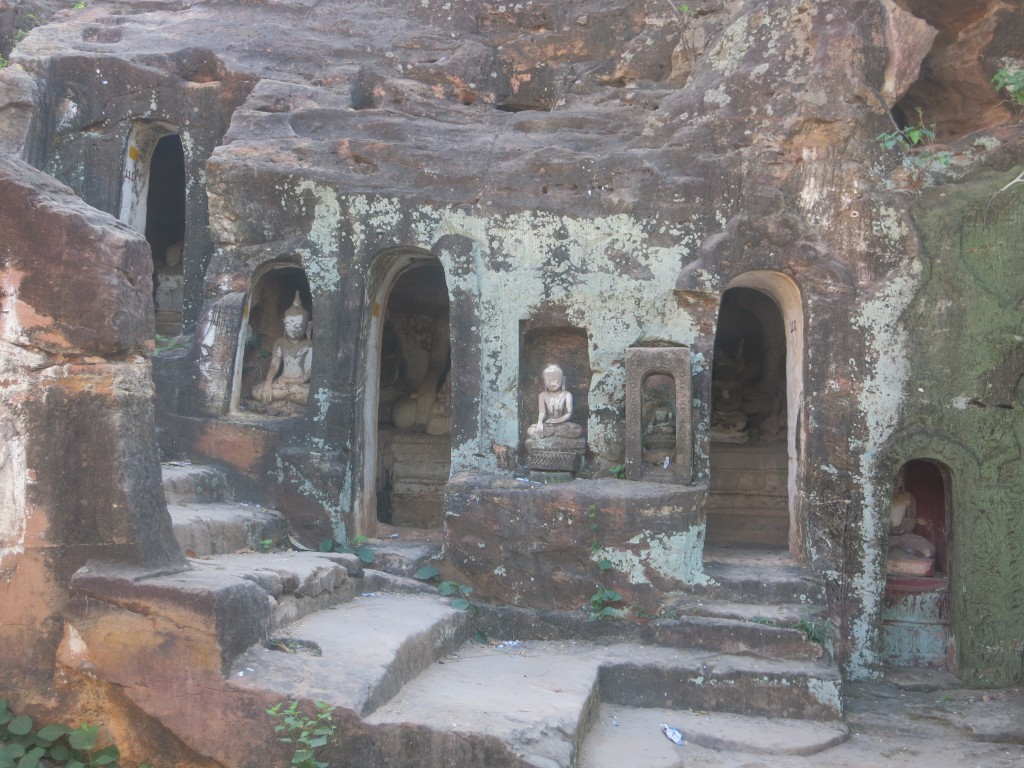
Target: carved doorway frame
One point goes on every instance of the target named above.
(786, 294)
(384, 272)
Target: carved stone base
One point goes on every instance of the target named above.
(555, 454)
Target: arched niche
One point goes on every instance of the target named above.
(153, 203)
(757, 383)
(659, 442)
(406, 419)
(272, 291)
(544, 341)
(916, 610)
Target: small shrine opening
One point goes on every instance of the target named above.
(554, 397)
(748, 503)
(414, 410)
(165, 231)
(658, 418)
(275, 289)
(916, 610)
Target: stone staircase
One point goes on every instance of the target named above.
(748, 503)
(206, 521)
(415, 682)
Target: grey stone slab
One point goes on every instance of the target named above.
(185, 482)
(223, 527)
(365, 650)
(537, 697)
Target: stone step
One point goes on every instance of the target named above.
(631, 736)
(751, 529)
(738, 503)
(537, 698)
(652, 676)
(769, 456)
(764, 637)
(768, 483)
(782, 614)
(757, 575)
(540, 697)
(232, 602)
(217, 528)
(355, 656)
(188, 483)
(403, 553)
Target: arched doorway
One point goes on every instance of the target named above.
(407, 415)
(916, 612)
(757, 389)
(273, 290)
(153, 203)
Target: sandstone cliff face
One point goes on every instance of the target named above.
(609, 168)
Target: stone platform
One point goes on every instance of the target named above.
(538, 545)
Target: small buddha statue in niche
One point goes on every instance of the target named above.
(290, 362)
(554, 444)
(554, 409)
(909, 553)
(659, 436)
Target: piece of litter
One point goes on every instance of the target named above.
(668, 460)
(508, 644)
(673, 734)
(368, 594)
(393, 536)
(615, 721)
(241, 673)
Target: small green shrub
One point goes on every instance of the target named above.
(306, 734)
(463, 591)
(602, 604)
(917, 143)
(1011, 80)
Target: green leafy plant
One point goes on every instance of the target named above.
(78, 6)
(619, 471)
(356, 546)
(426, 573)
(4, 62)
(917, 142)
(1011, 80)
(166, 343)
(306, 733)
(459, 593)
(22, 745)
(602, 603)
(818, 630)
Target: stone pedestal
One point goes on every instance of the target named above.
(539, 545)
(555, 454)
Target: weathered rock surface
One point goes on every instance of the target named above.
(536, 545)
(606, 169)
(78, 462)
